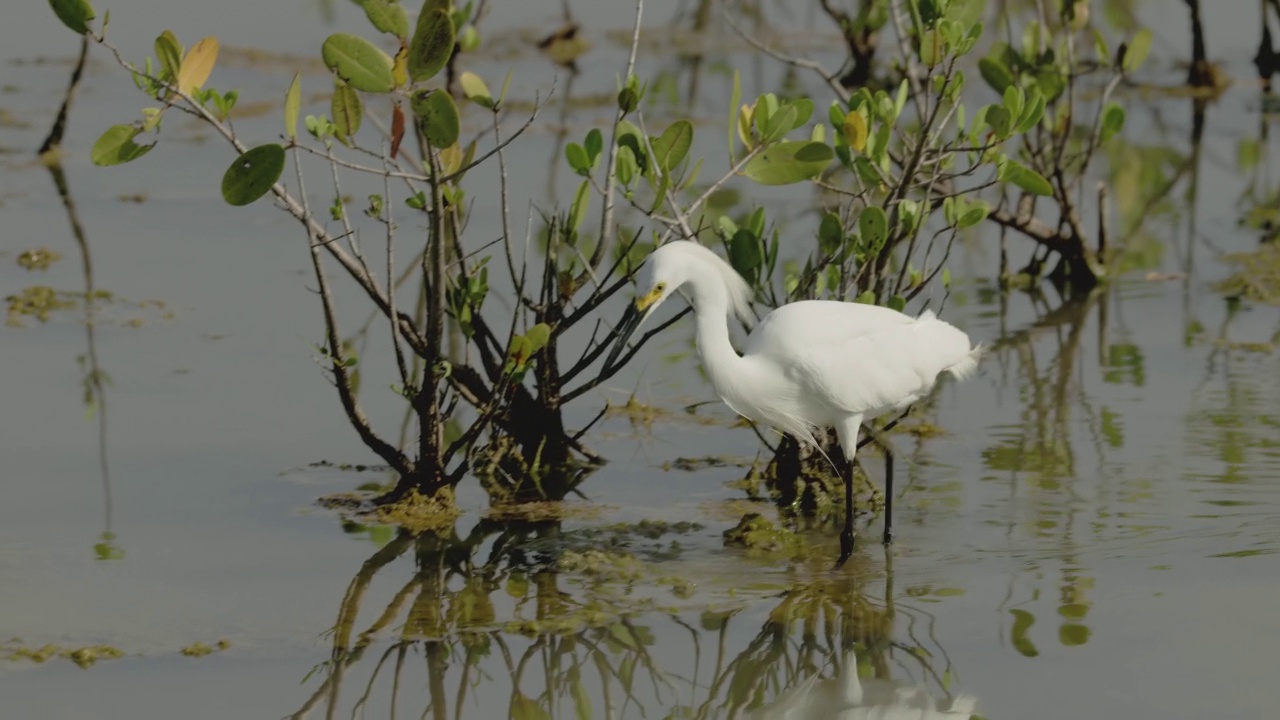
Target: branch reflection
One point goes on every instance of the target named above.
(528, 619)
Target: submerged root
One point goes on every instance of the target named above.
(509, 478)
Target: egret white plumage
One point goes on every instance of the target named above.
(808, 365)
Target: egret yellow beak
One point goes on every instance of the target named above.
(631, 319)
(644, 301)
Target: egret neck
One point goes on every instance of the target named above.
(726, 369)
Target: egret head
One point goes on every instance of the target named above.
(668, 269)
(662, 273)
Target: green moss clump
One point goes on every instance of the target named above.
(758, 534)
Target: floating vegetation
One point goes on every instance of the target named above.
(36, 302)
(199, 649)
(39, 302)
(38, 258)
(85, 656)
(414, 512)
(1257, 275)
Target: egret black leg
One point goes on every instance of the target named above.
(846, 535)
(888, 494)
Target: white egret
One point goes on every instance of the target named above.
(808, 365)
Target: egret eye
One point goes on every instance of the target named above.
(660, 287)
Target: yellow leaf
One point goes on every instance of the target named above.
(292, 106)
(451, 159)
(475, 89)
(197, 65)
(746, 114)
(855, 130)
(400, 70)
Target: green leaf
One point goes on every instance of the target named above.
(1000, 120)
(1100, 47)
(1112, 121)
(578, 209)
(755, 222)
(594, 145)
(387, 16)
(292, 106)
(1024, 177)
(577, 157)
(169, 54)
(671, 147)
(506, 85)
(347, 111)
(931, 48)
(830, 234)
(538, 336)
(873, 224)
(897, 302)
(975, 213)
(432, 44)
(866, 298)
(745, 255)
(439, 116)
(1014, 101)
(253, 174)
(75, 14)
(996, 73)
(475, 89)
(804, 111)
(778, 124)
(789, 162)
(359, 62)
(626, 165)
(1031, 112)
(116, 146)
(1136, 51)
(629, 136)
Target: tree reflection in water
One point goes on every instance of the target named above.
(505, 629)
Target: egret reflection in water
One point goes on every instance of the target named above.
(848, 697)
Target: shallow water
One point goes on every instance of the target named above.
(1096, 533)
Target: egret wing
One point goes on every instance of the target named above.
(850, 358)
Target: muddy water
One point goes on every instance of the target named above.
(1094, 533)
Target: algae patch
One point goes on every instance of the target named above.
(38, 258)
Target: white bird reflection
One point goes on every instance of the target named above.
(848, 697)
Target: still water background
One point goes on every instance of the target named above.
(1095, 533)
